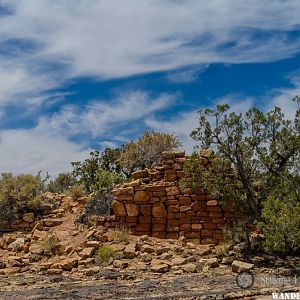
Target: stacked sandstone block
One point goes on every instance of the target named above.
(27, 223)
(153, 204)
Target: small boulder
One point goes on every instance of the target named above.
(212, 262)
(189, 268)
(52, 222)
(87, 252)
(69, 263)
(240, 266)
(160, 268)
(129, 251)
(17, 245)
(54, 271)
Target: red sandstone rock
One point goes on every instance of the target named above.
(159, 210)
(132, 209)
(119, 208)
(141, 196)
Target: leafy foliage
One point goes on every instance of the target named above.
(253, 154)
(105, 253)
(63, 183)
(147, 150)
(99, 172)
(100, 204)
(19, 194)
(281, 215)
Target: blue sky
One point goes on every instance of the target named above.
(101, 72)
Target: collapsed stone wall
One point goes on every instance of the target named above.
(153, 204)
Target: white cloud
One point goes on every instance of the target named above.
(102, 118)
(33, 150)
(109, 39)
(183, 123)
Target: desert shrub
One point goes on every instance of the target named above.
(105, 254)
(281, 225)
(99, 172)
(121, 234)
(63, 183)
(100, 204)
(236, 233)
(19, 194)
(147, 150)
(76, 191)
(253, 154)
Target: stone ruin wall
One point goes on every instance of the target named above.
(152, 204)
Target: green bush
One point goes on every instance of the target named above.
(18, 195)
(105, 253)
(63, 183)
(281, 226)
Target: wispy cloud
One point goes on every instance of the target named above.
(101, 118)
(109, 39)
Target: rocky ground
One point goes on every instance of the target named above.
(60, 259)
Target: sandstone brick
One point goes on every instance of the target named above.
(185, 220)
(218, 220)
(172, 235)
(173, 191)
(130, 219)
(159, 210)
(145, 219)
(212, 203)
(206, 233)
(159, 193)
(172, 202)
(156, 188)
(123, 191)
(154, 200)
(140, 174)
(119, 208)
(127, 198)
(192, 235)
(183, 200)
(177, 166)
(172, 228)
(146, 210)
(173, 208)
(132, 209)
(141, 233)
(196, 227)
(201, 197)
(171, 215)
(143, 227)
(159, 220)
(158, 227)
(215, 215)
(184, 208)
(209, 226)
(219, 225)
(190, 214)
(159, 234)
(202, 214)
(141, 196)
(214, 208)
(205, 219)
(173, 222)
(185, 227)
